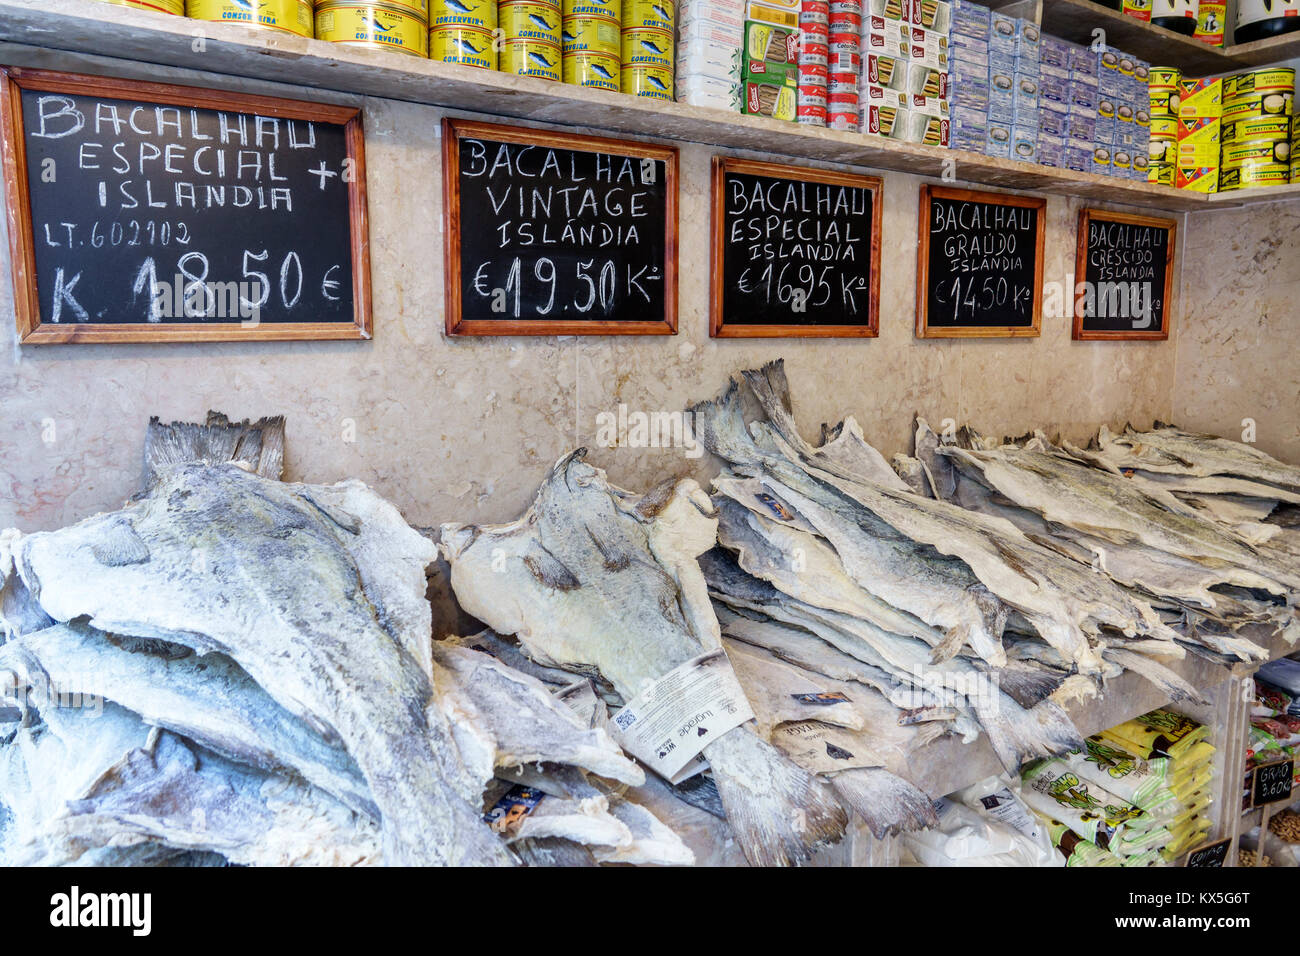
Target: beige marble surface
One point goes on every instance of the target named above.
(464, 429)
(1239, 354)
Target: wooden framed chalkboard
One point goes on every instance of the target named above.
(1124, 275)
(1272, 783)
(552, 233)
(796, 251)
(979, 266)
(149, 212)
(1209, 855)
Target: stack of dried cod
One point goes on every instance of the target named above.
(236, 669)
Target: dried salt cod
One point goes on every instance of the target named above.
(1176, 452)
(219, 560)
(585, 579)
(258, 446)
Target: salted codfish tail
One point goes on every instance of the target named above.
(257, 446)
(220, 560)
(577, 580)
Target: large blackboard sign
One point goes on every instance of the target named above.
(556, 234)
(145, 212)
(796, 252)
(980, 264)
(1124, 275)
(1271, 783)
(1210, 855)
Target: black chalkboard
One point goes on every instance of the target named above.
(556, 234)
(1124, 272)
(1271, 783)
(796, 251)
(980, 264)
(1210, 855)
(153, 212)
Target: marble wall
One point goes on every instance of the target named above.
(463, 429)
(1239, 350)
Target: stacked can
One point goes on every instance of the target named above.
(844, 71)
(648, 48)
(1257, 121)
(306, 19)
(391, 25)
(591, 35)
(464, 31)
(1162, 150)
(814, 62)
(271, 14)
(174, 7)
(530, 31)
(1200, 135)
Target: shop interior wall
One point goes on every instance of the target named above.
(1238, 370)
(464, 429)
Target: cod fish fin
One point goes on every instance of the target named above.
(548, 569)
(256, 446)
(887, 803)
(344, 519)
(118, 545)
(552, 851)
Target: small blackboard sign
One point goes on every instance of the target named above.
(557, 234)
(1124, 275)
(1271, 783)
(148, 212)
(980, 264)
(1209, 855)
(796, 251)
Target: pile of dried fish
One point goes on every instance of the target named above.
(236, 669)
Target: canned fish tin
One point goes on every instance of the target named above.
(1256, 107)
(1266, 127)
(594, 9)
(529, 57)
(1259, 82)
(654, 82)
(648, 15)
(811, 115)
(814, 33)
(813, 74)
(1258, 151)
(463, 45)
(846, 23)
(814, 55)
(592, 35)
(588, 68)
(814, 9)
(475, 14)
(842, 84)
(1165, 103)
(846, 122)
(372, 25)
(648, 48)
(1160, 174)
(853, 7)
(1165, 77)
(175, 7)
(418, 7)
(530, 20)
(305, 26)
(272, 14)
(812, 96)
(1164, 127)
(1254, 176)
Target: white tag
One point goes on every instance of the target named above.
(819, 748)
(671, 721)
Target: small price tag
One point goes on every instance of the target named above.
(1209, 855)
(1272, 783)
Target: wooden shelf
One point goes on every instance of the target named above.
(1075, 20)
(1270, 50)
(94, 37)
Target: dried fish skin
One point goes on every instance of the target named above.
(1174, 451)
(247, 567)
(577, 580)
(257, 446)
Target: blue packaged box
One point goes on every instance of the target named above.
(960, 41)
(1027, 40)
(1104, 129)
(1083, 97)
(1053, 123)
(1053, 51)
(1002, 32)
(970, 19)
(1078, 158)
(1083, 61)
(1053, 90)
(999, 140)
(1024, 144)
(1059, 72)
(1081, 129)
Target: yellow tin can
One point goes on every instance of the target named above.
(598, 70)
(530, 21)
(272, 14)
(654, 82)
(648, 15)
(375, 25)
(611, 10)
(1257, 107)
(463, 45)
(1165, 77)
(1255, 176)
(175, 7)
(1277, 151)
(476, 14)
(531, 58)
(305, 25)
(648, 48)
(1265, 127)
(1162, 174)
(1259, 83)
(1164, 127)
(592, 35)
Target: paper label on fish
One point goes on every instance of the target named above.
(668, 724)
(818, 748)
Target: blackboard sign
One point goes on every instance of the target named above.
(1210, 855)
(1124, 275)
(980, 264)
(146, 212)
(796, 252)
(1271, 783)
(556, 234)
